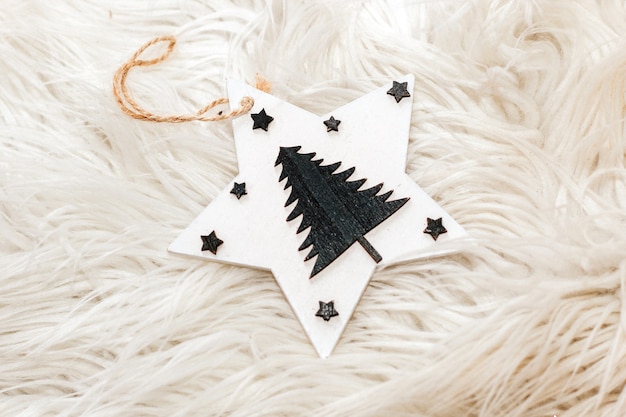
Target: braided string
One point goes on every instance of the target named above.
(130, 106)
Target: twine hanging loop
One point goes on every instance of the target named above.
(129, 105)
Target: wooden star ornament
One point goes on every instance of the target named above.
(324, 210)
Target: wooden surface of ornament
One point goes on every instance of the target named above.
(371, 146)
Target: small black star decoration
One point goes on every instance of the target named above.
(239, 190)
(399, 91)
(327, 310)
(261, 120)
(211, 242)
(332, 124)
(435, 227)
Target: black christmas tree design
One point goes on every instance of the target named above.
(336, 211)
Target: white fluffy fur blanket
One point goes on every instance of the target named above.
(517, 131)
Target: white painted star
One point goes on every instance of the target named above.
(373, 139)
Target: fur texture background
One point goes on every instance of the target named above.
(517, 131)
